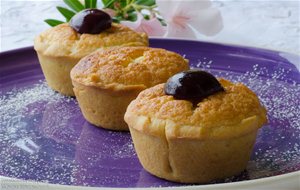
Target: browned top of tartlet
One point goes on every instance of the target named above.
(231, 113)
(62, 40)
(124, 68)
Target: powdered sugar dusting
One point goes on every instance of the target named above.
(23, 153)
(44, 137)
(282, 101)
(204, 63)
(17, 100)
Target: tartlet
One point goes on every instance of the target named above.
(61, 47)
(106, 81)
(181, 141)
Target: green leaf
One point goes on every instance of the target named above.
(74, 4)
(93, 3)
(116, 20)
(104, 2)
(132, 17)
(123, 3)
(147, 17)
(131, 10)
(87, 4)
(90, 4)
(108, 3)
(53, 22)
(145, 2)
(66, 13)
(162, 22)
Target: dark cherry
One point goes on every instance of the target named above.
(91, 21)
(193, 85)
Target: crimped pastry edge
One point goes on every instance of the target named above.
(169, 129)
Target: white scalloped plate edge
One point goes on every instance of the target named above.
(289, 181)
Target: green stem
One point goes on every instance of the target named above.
(145, 7)
(127, 7)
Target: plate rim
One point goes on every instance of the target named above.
(235, 45)
(232, 44)
(240, 184)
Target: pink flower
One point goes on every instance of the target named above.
(188, 18)
(152, 27)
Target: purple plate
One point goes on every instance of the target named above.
(43, 136)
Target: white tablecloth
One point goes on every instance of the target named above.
(266, 24)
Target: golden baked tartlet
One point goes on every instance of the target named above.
(106, 81)
(184, 141)
(61, 47)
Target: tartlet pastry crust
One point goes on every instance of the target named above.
(60, 48)
(63, 40)
(106, 81)
(220, 116)
(179, 141)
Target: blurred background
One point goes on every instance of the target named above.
(266, 24)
